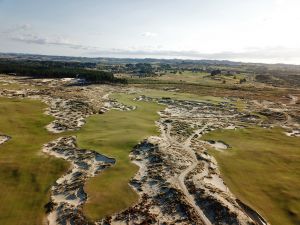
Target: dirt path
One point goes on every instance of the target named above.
(181, 178)
(106, 96)
(294, 99)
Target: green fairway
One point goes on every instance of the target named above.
(114, 134)
(26, 174)
(263, 169)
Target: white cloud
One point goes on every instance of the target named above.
(149, 34)
(286, 2)
(18, 28)
(280, 2)
(57, 41)
(266, 55)
(26, 34)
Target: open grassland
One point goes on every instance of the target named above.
(188, 77)
(262, 169)
(114, 134)
(26, 174)
(13, 86)
(237, 91)
(202, 84)
(180, 96)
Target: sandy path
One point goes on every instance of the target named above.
(106, 96)
(294, 99)
(181, 178)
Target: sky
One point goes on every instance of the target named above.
(265, 31)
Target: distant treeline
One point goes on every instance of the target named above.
(50, 69)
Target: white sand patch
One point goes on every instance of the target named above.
(52, 217)
(67, 79)
(293, 133)
(4, 138)
(231, 127)
(218, 145)
(216, 181)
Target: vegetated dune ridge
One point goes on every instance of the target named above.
(178, 182)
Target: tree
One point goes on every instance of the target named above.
(215, 72)
(243, 80)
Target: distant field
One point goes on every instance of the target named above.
(201, 84)
(263, 169)
(180, 96)
(13, 86)
(188, 77)
(114, 134)
(26, 174)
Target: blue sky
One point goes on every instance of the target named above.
(248, 30)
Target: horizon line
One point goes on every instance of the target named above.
(153, 58)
